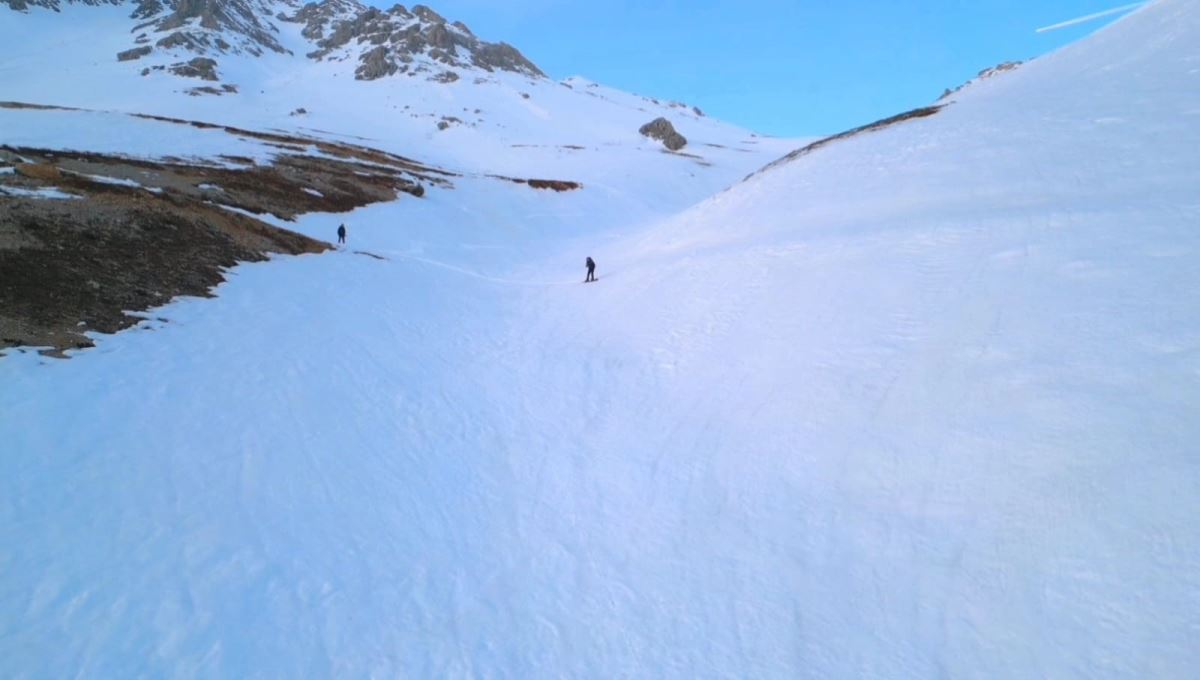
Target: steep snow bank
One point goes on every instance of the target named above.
(924, 400)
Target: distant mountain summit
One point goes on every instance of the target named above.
(400, 41)
(393, 42)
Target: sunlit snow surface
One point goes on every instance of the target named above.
(920, 404)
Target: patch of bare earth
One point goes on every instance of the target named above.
(88, 238)
(142, 232)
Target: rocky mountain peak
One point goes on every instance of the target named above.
(399, 41)
(212, 26)
(396, 41)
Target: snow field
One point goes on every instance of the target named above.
(919, 404)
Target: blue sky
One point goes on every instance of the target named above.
(798, 67)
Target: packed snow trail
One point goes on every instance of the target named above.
(919, 405)
(474, 274)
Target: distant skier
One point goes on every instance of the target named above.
(591, 267)
(342, 233)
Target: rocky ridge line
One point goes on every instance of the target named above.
(391, 41)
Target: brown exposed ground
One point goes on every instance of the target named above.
(76, 265)
(88, 238)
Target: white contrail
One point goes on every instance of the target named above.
(1097, 15)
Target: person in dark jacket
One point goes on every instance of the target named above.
(591, 273)
(342, 233)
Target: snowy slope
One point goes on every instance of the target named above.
(945, 421)
(508, 123)
(569, 127)
(921, 403)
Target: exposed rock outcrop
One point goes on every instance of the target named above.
(395, 38)
(199, 67)
(375, 64)
(662, 130)
(135, 53)
(385, 43)
(217, 26)
(986, 73)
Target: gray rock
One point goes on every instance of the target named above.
(183, 40)
(504, 57)
(207, 89)
(662, 130)
(375, 64)
(439, 36)
(336, 24)
(239, 19)
(425, 14)
(983, 75)
(199, 67)
(147, 9)
(209, 28)
(135, 53)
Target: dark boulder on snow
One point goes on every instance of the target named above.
(200, 67)
(662, 130)
(135, 53)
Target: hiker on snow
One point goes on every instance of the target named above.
(342, 233)
(591, 274)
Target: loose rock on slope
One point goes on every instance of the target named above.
(662, 130)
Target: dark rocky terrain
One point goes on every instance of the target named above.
(128, 234)
(664, 131)
(391, 42)
(89, 240)
(393, 39)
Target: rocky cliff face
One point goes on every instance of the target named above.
(204, 26)
(392, 42)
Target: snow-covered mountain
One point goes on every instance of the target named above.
(407, 81)
(395, 41)
(255, 91)
(917, 401)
